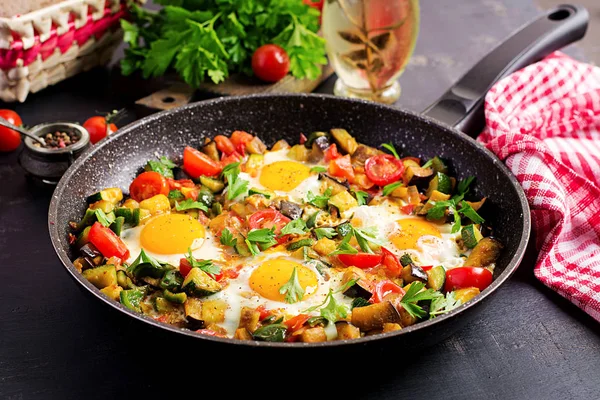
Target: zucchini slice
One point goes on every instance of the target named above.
(343, 201)
(101, 277)
(436, 277)
(300, 243)
(440, 182)
(199, 283)
(263, 193)
(117, 226)
(132, 298)
(471, 235)
(177, 298)
(214, 185)
(113, 195)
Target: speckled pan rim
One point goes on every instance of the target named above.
(422, 326)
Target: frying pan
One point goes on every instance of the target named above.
(117, 160)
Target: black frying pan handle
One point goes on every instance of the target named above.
(462, 105)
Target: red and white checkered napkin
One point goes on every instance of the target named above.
(544, 122)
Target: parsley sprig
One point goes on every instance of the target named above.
(413, 295)
(442, 305)
(361, 197)
(390, 147)
(319, 201)
(236, 185)
(439, 209)
(227, 238)
(260, 239)
(205, 265)
(163, 166)
(190, 204)
(295, 227)
(292, 289)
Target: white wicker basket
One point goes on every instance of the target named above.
(45, 46)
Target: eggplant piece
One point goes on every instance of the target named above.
(290, 210)
(485, 253)
(417, 175)
(193, 313)
(242, 334)
(390, 327)
(179, 173)
(362, 153)
(373, 317)
(210, 149)
(359, 289)
(412, 273)
(90, 251)
(314, 136)
(322, 143)
(249, 319)
(335, 185)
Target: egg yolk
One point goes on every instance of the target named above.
(411, 229)
(271, 275)
(171, 233)
(283, 175)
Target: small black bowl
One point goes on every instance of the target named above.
(48, 165)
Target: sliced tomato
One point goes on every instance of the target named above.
(360, 260)
(231, 158)
(383, 288)
(231, 273)
(391, 262)
(240, 139)
(264, 313)
(107, 243)
(224, 144)
(426, 267)
(408, 209)
(331, 153)
(296, 322)
(464, 277)
(384, 169)
(148, 184)
(184, 267)
(268, 218)
(196, 163)
(180, 183)
(303, 138)
(342, 167)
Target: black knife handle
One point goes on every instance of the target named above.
(462, 105)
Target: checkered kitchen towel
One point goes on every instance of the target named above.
(544, 122)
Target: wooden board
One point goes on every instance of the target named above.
(179, 93)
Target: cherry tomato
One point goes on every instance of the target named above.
(107, 243)
(296, 322)
(342, 167)
(383, 288)
(391, 262)
(240, 139)
(318, 4)
(10, 139)
(268, 218)
(408, 209)
(303, 138)
(196, 163)
(231, 158)
(180, 183)
(224, 144)
(184, 267)
(331, 153)
(464, 277)
(148, 184)
(426, 267)
(360, 260)
(264, 313)
(98, 128)
(384, 169)
(270, 63)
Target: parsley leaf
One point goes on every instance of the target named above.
(235, 186)
(297, 227)
(163, 166)
(205, 265)
(260, 239)
(330, 309)
(470, 213)
(428, 164)
(103, 218)
(388, 189)
(414, 295)
(361, 197)
(292, 289)
(325, 232)
(463, 186)
(390, 147)
(176, 195)
(227, 238)
(442, 305)
(319, 201)
(344, 248)
(145, 265)
(318, 168)
(369, 234)
(190, 204)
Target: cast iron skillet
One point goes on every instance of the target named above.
(117, 160)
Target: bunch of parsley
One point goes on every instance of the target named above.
(203, 39)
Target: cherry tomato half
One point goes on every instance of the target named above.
(331, 153)
(196, 163)
(10, 139)
(107, 243)
(383, 288)
(296, 322)
(464, 277)
(184, 267)
(224, 144)
(148, 184)
(270, 63)
(384, 169)
(240, 139)
(342, 168)
(360, 260)
(391, 262)
(268, 218)
(98, 128)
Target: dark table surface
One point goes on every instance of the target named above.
(57, 343)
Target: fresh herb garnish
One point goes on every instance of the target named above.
(227, 238)
(361, 197)
(319, 201)
(297, 227)
(325, 232)
(388, 189)
(413, 295)
(330, 309)
(390, 147)
(205, 265)
(235, 185)
(103, 218)
(318, 168)
(428, 164)
(176, 195)
(146, 265)
(190, 204)
(363, 237)
(292, 289)
(260, 239)
(163, 166)
(470, 213)
(344, 248)
(442, 305)
(463, 186)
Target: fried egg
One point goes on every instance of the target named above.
(261, 279)
(167, 237)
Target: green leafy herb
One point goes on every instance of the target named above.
(270, 333)
(347, 285)
(314, 321)
(406, 260)
(146, 265)
(344, 248)
(330, 309)
(325, 232)
(236, 186)
(103, 218)
(463, 186)
(438, 211)
(470, 213)
(360, 302)
(388, 189)
(442, 305)
(163, 166)
(176, 195)
(413, 295)
(297, 227)
(318, 168)
(361, 197)
(292, 289)
(369, 234)
(190, 204)
(264, 238)
(319, 201)
(227, 238)
(390, 147)
(428, 164)
(205, 265)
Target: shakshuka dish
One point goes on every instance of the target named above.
(327, 239)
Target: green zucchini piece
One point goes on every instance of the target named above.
(217, 208)
(83, 237)
(206, 197)
(199, 283)
(117, 226)
(172, 280)
(163, 306)
(438, 165)
(132, 298)
(312, 220)
(344, 229)
(145, 265)
(264, 193)
(214, 185)
(124, 281)
(126, 213)
(113, 195)
(101, 277)
(88, 219)
(178, 298)
(440, 182)
(471, 235)
(436, 277)
(136, 216)
(300, 243)
(242, 248)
